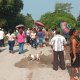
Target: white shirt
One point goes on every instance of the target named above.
(33, 35)
(11, 37)
(28, 32)
(58, 42)
(1, 34)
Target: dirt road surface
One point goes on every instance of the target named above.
(18, 67)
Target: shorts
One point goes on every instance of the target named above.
(40, 40)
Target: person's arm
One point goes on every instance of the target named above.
(51, 42)
(65, 43)
(74, 49)
(23, 34)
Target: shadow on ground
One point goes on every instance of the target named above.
(1, 50)
(45, 61)
(17, 50)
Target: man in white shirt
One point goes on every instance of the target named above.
(1, 37)
(58, 42)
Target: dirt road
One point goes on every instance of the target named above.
(18, 67)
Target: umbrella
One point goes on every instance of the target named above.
(19, 26)
(39, 23)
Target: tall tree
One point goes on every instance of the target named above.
(52, 20)
(61, 13)
(66, 7)
(78, 22)
(9, 10)
(29, 20)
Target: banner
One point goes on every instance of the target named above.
(65, 27)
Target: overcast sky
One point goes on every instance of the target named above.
(38, 7)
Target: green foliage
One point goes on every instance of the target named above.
(3, 22)
(8, 12)
(66, 7)
(10, 8)
(20, 19)
(78, 22)
(29, 21)
(52, 20)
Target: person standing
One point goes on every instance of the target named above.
(47, 37)
(11, 40)
(74, 53)
(1, 37)
(28, 36)
(21, 39)
(33, 36)
(16, 32)
(58, 42)
(40, 37)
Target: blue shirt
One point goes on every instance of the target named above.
(40, 35)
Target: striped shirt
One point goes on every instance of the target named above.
(58, 42)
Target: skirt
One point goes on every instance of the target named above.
(77, 61)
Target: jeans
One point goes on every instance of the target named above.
(11, 45)
(0, 43)
(28, 39)
(21, 46)
(34, 43)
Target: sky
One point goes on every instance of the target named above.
(39, 7)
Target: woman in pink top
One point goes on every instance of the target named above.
(21, 40)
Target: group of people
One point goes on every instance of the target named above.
(32, 37)
(58, 43)
(54, 39)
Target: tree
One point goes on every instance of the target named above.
(20, 19)
(29, 20)
(9, 10)
(53, 19)
(66, 7)
(78, 22)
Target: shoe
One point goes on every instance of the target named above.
(55, 69)
(12, 52)
(0, 50)
(63, 68)
(19, 53)
(9, 51)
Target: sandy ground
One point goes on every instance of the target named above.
(19, 67)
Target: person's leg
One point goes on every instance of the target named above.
(19, 48)
(72, 73)
(40, 42)
(22, 47)
(55, 60)
(61, 58)
(3, 42)
(12, 45)
(9, 43)
(0, 43)
(27, 39)
(79, 72)
(31, 42)
(34, 43)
